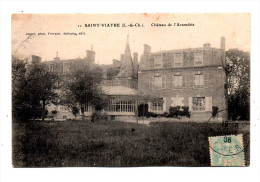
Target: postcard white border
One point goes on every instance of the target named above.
(242, 174)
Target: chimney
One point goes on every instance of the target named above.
(91, 56)
(147, 49)
(104, 73)
(223, 47)
(223, 43)
(135, 63)
(36, 59)
(206, 45)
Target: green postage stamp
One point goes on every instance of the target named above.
(227, 150)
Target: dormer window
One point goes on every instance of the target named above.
(198, 58)
(158, 61)
(177, 59)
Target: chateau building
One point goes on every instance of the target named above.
(120, 89)
(192, 77)
(63, 67)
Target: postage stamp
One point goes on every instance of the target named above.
(227, 150)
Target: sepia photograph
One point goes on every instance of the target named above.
(130, 90)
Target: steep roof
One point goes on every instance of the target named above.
(126, 69)
(118, 90)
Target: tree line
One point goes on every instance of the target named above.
(34, 87)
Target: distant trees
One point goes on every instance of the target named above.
(238, 86)
(33, 87)
(112, 72)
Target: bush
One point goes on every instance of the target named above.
(54, 112)
(143, 110)
(151, 114)
(179, 111)
(99, 116)
(214, 111)
(75, 111)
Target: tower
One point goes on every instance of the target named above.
(127, 65)
(57, 56)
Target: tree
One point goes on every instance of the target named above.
(33, 87)
(21, 107)
(75, 111)
(42, 85)
(83, 88)
(238, 83)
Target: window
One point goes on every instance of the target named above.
(157, 106)
(65, 67)
(52, 67)
(121, 106)
(198, 103)
(198, 58)
(177, 81)
(87, 108)
(177, 59)
(186, 81)
(199, 80)
(63, 108)
(158, 61)
(157, 82)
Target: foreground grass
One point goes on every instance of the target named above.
(77, 143)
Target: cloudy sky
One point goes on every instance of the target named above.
(109, 42)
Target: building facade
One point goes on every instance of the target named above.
(120, 88)
(64, 66)
(193, 77)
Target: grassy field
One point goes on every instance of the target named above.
(117, 144)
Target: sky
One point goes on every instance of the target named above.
(109, 42)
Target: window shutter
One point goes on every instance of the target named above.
(191, 81)
(208, 103)
(169, 82)
(184, 80)
(151, 80)
(190, 103)
(163, 81)
(181, 101)
(172, 101)
(206, 80)
(180, 84)
(149, 106)
(164, 104)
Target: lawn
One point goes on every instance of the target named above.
(115, 144)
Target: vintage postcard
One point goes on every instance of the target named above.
(131, 90)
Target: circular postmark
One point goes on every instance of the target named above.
(223, 135)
